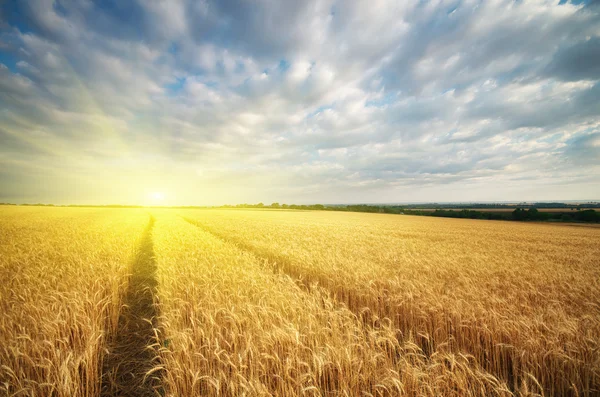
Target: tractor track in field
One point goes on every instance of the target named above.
(281, 264)
(132, 356)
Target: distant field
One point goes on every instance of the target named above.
(499, 209)
(294, 303)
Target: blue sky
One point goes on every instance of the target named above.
(214, 102)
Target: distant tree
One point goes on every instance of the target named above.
(519, 214)
(533, 214)
(275, 205)
(260, 205)
(566, 217)
(588, 216)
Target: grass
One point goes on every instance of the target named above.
(238, 302)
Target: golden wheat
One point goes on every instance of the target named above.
(233, 326)
(63, 274)
(290, 303)
(522, 299)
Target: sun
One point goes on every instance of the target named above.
(157, 197)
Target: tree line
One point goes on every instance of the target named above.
(570, 214)
(567, 213)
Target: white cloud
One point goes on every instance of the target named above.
(307, 101)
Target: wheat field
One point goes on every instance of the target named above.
(169, 302)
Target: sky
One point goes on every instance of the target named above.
(221, 102)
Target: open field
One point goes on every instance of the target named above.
(567, 210)
(102, 302)
(63, 275)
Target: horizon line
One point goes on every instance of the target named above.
(502, 202)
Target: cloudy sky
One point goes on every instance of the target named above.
(214, 102)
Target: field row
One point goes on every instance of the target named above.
(294, 303)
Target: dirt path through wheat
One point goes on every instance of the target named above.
(128, 367)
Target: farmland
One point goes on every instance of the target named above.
(102, 302)
(501, 209)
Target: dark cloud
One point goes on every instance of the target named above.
(578, 62)
(584, 150)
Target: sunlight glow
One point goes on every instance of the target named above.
(157, 197)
